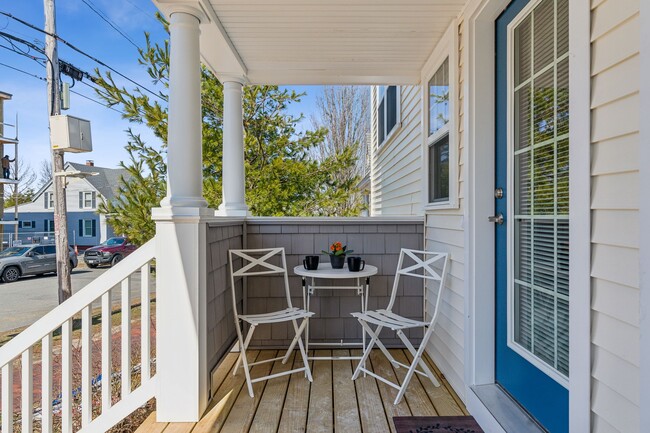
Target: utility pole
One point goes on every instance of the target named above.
(54, 108)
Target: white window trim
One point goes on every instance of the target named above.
(27, 222)
(84, 235)
(83, 201)
(446, 48)
(50, 199)
(398, 119)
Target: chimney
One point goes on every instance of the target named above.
(90, 163)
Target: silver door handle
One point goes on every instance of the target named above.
(498, 219)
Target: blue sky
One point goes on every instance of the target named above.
(79, 25)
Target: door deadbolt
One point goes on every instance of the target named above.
(498, 193)
(498, 219)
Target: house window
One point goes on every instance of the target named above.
(388, 112)
(87, 228)
(49, 200)
(48, 226)
(438, 128)
(26, 224)
(87, 200)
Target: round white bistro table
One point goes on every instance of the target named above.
(325, 272)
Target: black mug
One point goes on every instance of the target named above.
(355, 264)
(310, 263)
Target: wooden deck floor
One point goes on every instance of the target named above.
(333, 402)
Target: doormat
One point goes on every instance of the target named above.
(436, 424)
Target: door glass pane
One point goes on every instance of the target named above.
(540, 161)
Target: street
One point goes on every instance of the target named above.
(30, 298)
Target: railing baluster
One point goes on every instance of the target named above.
(27, 391)
(46, 384)
(8, 398)
(107, 368)
(66, 376)
(126, 336)
(145, 325)
(86, 366)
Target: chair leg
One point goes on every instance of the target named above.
(303, 353)
(373, 339)
(243, 345)
(292, 346)
(414, 353)
(242, 356)
(381, 345)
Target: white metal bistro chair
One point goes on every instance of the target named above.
(426, 265)
(256, 263)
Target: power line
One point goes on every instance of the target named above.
(97, 102)
(115, 27)
(24, 72)
(157, 95)
(148, 15)
(71, 91)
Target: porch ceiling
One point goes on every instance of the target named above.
(321, 41)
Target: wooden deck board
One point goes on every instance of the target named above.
(151, 426)
(371, 409)
(320, 414)
(296, 403)
(223, 400)
(333, 402)
(416, 397)
(381, 366)
(346, 408)
(267, 416)
(440, 396)
(242, 412)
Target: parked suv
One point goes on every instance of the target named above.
(21, 260)
(111, 251)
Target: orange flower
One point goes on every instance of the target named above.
(332, 248)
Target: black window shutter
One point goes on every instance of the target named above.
(81, 200)
(33, 224)
(46, 226)
(81, 227)
(94, 228)
(46, 196)
(20, 224)
(94, 199)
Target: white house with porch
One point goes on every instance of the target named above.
(511, 135)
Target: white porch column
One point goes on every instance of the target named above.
(182, 377)
(234, 199)
(184, 160)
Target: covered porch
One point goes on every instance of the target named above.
(248, 43)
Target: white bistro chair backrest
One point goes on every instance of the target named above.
(256, 262)
(428, 265)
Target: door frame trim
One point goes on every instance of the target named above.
(479, 78)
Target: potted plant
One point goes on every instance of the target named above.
(337, 254)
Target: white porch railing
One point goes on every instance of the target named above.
(24, 345)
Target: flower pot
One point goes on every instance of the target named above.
(337, 261)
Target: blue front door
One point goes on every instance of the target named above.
(532, 243)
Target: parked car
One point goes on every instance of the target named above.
(109, 252)
(33, 259)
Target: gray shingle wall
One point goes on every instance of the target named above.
(220, 322)
(377, 242)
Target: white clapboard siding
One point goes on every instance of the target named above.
(397, 165)
(444, 232)
(615, 225)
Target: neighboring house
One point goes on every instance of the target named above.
(512, 135)
(86, 227)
